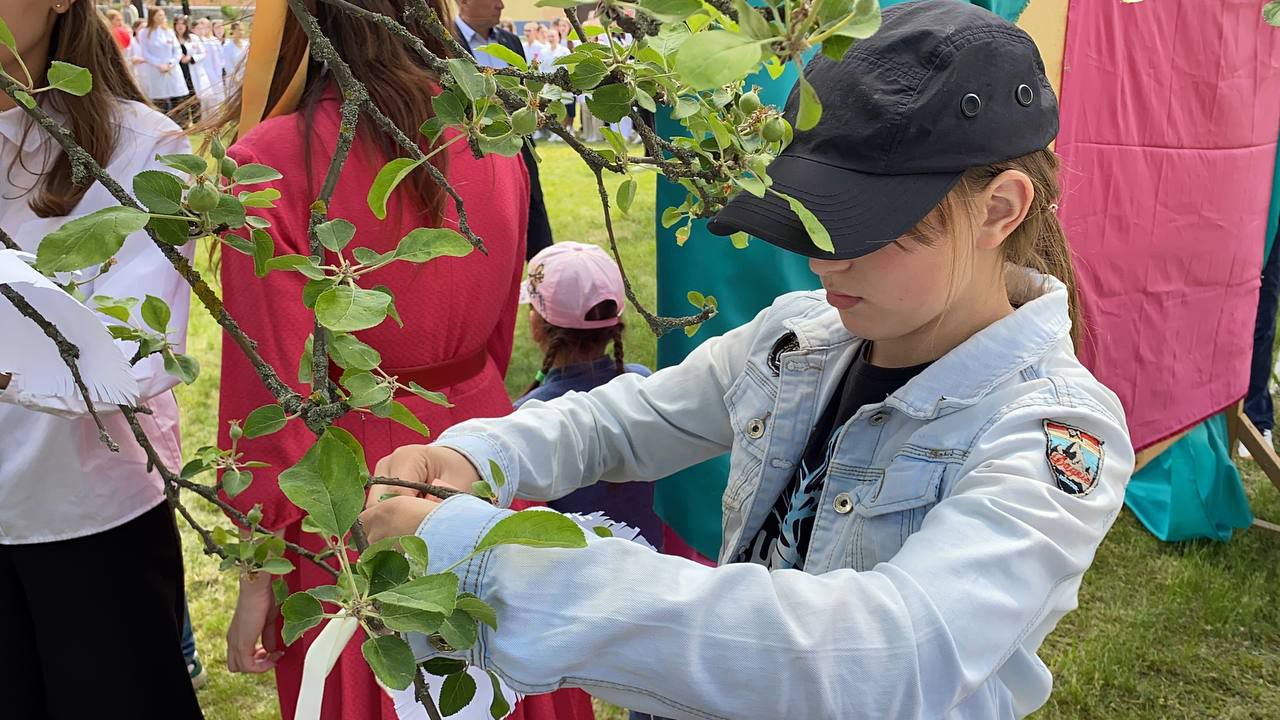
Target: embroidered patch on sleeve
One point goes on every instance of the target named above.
(1075, 457)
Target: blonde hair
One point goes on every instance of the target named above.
(1038, 242)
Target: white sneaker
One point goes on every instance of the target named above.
(1243, 451)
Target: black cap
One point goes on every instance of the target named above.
(944, 86)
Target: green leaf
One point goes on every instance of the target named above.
(558, 3)
(671, 216)
(588, 73)
(229, 212)
(25, 98)
(391, 660)
(264, 421)
(611, 103)
(159, 191)
(482, 489)
(495, 471)
(415, 551)
(670, 38)
(671, 10)
(403, 619)
(351, 354)
(524, 121)
(460, 630)
(430, 396)
(405, 417)
(1271, 13)
(366, 390)
(424, 244)
(450, 107)
(751, 184)
(388, 179)
(254, 173)
(278, 566)
(335, 234)
(433, 128)
(836, 46)
(863, 22)
(433, 593)
(328, 483)
(697, 299)
(505, 54)
(306, 361)
(616, 142)
(264, 248)
(385, 570)
(234, 482)
(817, 233)
(173, 232)
(810, 106)
(456, 693)
(645, 100)
(499, 708)
(391, 309)
(345, 309)
(752, 22)
(155, 313)
(265, 198)
(682, 234)
(740, 240)
(602, 531)
(301, 613)
(478, 609)
(118, 308)
(626, 194)
(717, 57)
(691, 330)
(367, 256)
(89, 240)
(441, 666)
(70, 79)
(6, 37)
(470, 80)
(328, 593)
(534, 528)
(187, 163)
(184, 367)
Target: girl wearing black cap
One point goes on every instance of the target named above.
(921, 469)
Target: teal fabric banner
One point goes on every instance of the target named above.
(1192, 490)
(744, 282)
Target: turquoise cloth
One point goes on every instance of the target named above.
(743, 282)
(1273, 219)
(1192, 490)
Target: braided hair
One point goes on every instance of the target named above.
(563, 342)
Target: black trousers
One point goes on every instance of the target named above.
(92, 627)
(1257, 404)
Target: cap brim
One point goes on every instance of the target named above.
(862, 212)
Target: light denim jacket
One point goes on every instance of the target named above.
(942, 554)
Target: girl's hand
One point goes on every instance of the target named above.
(426, 465)
(396, 516)
(166, 67)
(254, 619)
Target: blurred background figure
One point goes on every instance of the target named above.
(160, 74)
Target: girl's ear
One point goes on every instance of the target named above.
(1006, 202)
(61, 6)
(537, 328)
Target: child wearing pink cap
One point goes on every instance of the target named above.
(576, 299)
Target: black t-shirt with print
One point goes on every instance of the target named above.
(783, 540)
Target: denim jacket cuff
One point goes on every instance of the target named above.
(451, 532)
(480, 449)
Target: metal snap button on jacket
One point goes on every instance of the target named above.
(878, 419)
(755, 428)
(843, 503)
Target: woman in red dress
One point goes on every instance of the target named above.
(459, 315)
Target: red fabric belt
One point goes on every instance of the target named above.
(437, 376)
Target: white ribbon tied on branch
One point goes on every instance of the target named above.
(28, 354)
(321, 657)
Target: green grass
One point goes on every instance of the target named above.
(1186, 630)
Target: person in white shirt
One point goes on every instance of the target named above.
(556, 50)
(89, 553)
(209, 83)
(234, 50)
(535, 43)
(161, 74)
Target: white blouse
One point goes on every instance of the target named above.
(57, 481)
(160, 47)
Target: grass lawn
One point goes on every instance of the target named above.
(1163, 631)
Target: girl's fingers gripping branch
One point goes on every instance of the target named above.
(424, 464)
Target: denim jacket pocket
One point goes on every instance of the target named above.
(892, 510)
(751, 412)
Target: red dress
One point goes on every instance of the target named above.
(451, 307)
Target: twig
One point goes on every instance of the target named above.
(659, 325)
(7, 241)
(211, 546)
(423, 693)
(69, 352)
(436, 490)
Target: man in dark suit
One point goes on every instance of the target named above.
(475, 27)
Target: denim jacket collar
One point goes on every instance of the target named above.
(968, 372)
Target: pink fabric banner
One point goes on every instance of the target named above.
(1170, 113)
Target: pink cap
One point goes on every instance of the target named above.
(567, 279)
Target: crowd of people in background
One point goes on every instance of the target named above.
(186, 67)
(544, 45)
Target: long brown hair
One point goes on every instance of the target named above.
(152, 14)
(394, 75)
(81, 37)
(1038, 242)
